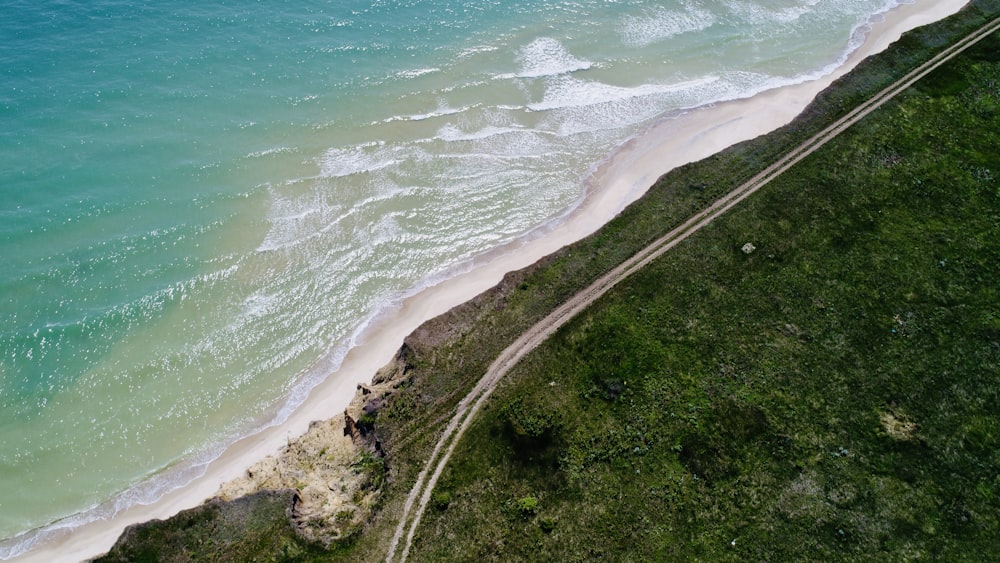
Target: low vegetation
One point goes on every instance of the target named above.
(253, 528)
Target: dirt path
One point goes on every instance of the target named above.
(471, 403)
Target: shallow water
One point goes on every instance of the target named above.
(203, 205)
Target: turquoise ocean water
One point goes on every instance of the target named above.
(201, 204)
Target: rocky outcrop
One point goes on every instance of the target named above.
(337, 467)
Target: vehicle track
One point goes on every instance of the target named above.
(533, 337)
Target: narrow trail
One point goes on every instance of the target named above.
(533, 337)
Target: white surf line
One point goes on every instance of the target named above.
(547, 326)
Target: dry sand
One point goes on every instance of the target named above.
(626, 175)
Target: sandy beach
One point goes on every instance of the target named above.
(624, 177)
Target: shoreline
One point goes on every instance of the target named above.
(622, 178)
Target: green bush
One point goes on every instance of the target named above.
(532, 426)
(442, 499)
(527, 506)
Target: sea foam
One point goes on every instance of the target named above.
(547, 57)
(660, 23)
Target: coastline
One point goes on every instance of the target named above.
(623, 178)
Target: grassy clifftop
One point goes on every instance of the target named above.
(828, 392)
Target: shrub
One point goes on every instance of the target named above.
(531, 423)
(527, 506)
(441, 500)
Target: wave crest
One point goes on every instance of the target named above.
(661, 24)
(547, 57)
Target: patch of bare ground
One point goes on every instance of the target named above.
(336, 467)
(898, 426)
